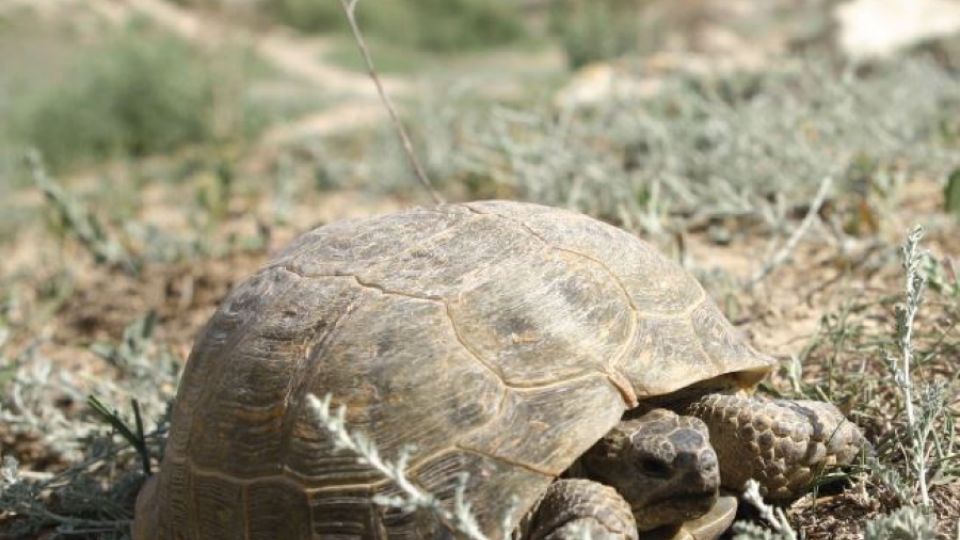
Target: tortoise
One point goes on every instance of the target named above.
(560, 361)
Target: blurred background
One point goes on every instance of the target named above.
(154, 152)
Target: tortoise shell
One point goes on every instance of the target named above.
(502, 339)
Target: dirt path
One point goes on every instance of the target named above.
(323, 123)
(297, 56)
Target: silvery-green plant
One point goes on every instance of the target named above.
(80, 222)
(27, 403)
(412, 497)
(921, 411)
(751, 145)
(779, 527)
(137, 355)
(92, 495)
(89, 498)
(907, 523)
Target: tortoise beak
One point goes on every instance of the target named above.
(676, 508)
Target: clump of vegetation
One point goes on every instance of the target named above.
(907, 523)
(922, 414)
(903, 399)
(898, 382)
(75, 219)
(94, 494)
(733, 145)
(591, 30)
(116, 242)
(436, 25)
(138, 92)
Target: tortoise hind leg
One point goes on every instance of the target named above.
(572, 505)
(146, 524)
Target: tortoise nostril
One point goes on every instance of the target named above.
(654, 467)
(702, 481)
(699, 470)
(687, 461)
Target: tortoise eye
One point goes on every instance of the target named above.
(654, 467)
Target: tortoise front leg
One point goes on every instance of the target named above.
(571, 506)
(782, 444)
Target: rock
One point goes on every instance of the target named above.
(880, 28)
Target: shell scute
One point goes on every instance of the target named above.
(346, 247)
(239, 425)
(403, 383)
(543, 428)
(276, 509)
(723, 343)
(346, 514)
(446, 263)
(540, 317)
(656, 285)
(490, 484)
(220, 511)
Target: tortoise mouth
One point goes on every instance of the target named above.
(673, 509)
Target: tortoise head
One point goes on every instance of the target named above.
(661, 463)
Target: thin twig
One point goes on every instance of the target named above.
(781, 255)
(349, 8)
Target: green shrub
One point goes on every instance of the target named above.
(311, 15)
(137, 93)
(436, 25)
(593, 30)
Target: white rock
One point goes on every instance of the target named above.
(879, 28)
